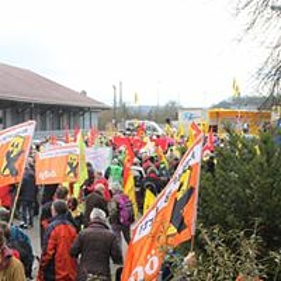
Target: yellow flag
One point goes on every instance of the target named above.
(168, 130)
(136, 98)
(83, 171)
(236, 89)
(180, 131)
(191, 137)
(162, 156)
(148, 200)
(128, 179)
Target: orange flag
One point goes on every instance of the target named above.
(57, 165)
(14, 149)
(169, 221)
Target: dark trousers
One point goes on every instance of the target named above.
(119, 228)
(27, 208)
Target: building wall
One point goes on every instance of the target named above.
(47, 119)
(8, 121)
(1, 119)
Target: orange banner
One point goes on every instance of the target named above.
(57, 165)
(14, 148)
(168, 222)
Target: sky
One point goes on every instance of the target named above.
(163, 50)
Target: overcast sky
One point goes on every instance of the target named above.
(177, 50)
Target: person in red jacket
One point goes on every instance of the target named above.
(6, 196)
(56, 264)
(100, 179)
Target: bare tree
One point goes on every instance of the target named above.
(264, 24)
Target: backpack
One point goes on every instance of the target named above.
(25, 255)
(126, 209)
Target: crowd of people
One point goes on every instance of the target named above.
(80, 235)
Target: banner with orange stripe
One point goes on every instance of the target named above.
(169, 221)
(14, 149)
(58, 165)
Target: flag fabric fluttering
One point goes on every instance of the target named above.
(162, 156)
(168, 222)
(193, 132)
(57, 165)
(83, 171)
(76, 133)
(93, 134)
(66, 135)
(236, 89)
(180, 131)
(149, 199)
(136, 100)
(15, 144)
(209, 145)
(53, 140)
(128, 177)
(141, 129)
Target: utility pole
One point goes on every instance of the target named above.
(120, 95)
(121, 105)
(114, 121)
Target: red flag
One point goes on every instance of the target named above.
(121, 141)
(93, 133)
(196, 130)
(66, 135)
(76, 132)
(209, 145)
(53, 139)
(137, 143)
(162, 142)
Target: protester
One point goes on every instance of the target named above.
(100, 179)
(6, 196)
(95, 200)
(11, 269)
(49, 191)
(77, 215)
(96, 245)
(56, 263)
(121, 213)
(114, 172)
(18, 240)
(28, 197)
(91, 175)
(46, 213)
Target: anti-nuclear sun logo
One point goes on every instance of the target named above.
(15, 150)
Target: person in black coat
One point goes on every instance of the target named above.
(28, 197)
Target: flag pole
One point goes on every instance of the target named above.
(15, 203)
(192, 244)
(197, 192)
